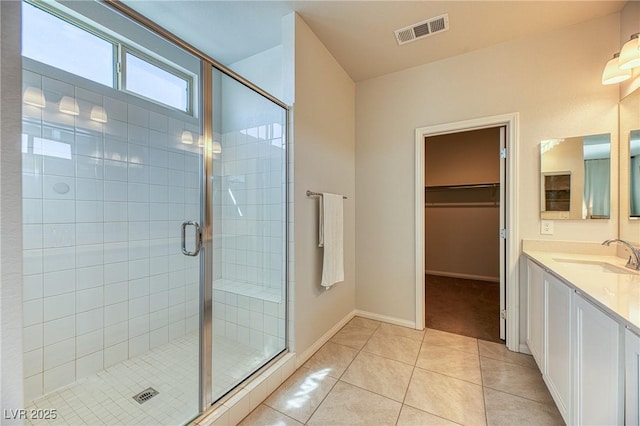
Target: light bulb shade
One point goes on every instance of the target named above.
(98, 114)
(68, 105)
(216, 148)
(612, 73)
(186, 138)
(34, 96)
(630, 54)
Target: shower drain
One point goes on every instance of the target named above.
(145, 395)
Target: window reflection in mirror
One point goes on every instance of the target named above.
(634, 173)
(575, 177)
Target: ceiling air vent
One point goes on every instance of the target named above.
(422, 29)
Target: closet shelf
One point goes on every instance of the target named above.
(465, 186)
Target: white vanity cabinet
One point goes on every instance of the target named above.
(557, 343)
(535, 312)
(597, 384)
(632, 378)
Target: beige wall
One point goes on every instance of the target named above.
(324, 160)
(552, 80)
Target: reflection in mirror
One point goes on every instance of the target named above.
(634, 173)
(575, 177)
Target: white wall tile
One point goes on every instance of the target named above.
(31, 185)
(116, 333)
(58, 330)
(139, 325)
(138, 116)
(57, 259)
(115, 170)
(116, 293)
(31, 211)
(89, 299)
(138, 307)
(116, 313)
(115, 354)
(116, 272)
(59, 353)
(89, 189)
(33, 362)
(59, 235)
(59, 376)
(89, 146)
(89, 277)
(115, 191)
(59, 282)
(59, 211)
(32, 236)
(89, 343)
(33, 387)
(59, 306)
(138, 134)
(115, 130)
(32, 312)
(89, 211)
(88, 321)
(89, 167)
(32, 337)
(158, 337)
(138, 345)
(116, 252)
(90, 255)
(89, 233)
(115, 232)
(89, 364)
(32, 287)
(138, 288)
(138, 173)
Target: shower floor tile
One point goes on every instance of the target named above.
(106, 397)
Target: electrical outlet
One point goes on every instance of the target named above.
(546, 227)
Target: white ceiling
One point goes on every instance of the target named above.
(359, 34)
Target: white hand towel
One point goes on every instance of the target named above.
(331, 238)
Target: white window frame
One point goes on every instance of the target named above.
(120, 49)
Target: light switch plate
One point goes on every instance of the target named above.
(546, 227)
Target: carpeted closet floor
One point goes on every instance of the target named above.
(461, 306)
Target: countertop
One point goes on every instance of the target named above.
(617, 294)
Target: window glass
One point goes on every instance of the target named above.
(153, 82)
(48, 39)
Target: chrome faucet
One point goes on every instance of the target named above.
(634, 259)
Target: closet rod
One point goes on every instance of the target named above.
(470, 186)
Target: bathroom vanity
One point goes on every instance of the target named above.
(583, 329)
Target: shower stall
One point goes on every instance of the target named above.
(154, 225)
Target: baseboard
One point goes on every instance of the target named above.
(523, 348)
(385, 318)
(304, 356)
(463, 276)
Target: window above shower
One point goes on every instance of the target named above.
(60, 40)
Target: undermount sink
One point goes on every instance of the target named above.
(597, 266)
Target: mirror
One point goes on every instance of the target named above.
(630, 167)
(575, 177)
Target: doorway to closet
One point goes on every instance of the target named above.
(463, 243)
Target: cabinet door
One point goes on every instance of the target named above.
(597, 384)
(557, 343)
(535, 312)
(632, 377)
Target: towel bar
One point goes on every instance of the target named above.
(318, 194)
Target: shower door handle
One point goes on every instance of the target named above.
(198, 238)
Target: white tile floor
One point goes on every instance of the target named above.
(172, 370)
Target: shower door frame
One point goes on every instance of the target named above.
(206, 192)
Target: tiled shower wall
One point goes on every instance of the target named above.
(249, 299)
(104, 276)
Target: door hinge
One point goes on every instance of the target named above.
(503, 314)
(503, 233)
(503, 153)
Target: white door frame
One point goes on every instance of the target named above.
(511, 261)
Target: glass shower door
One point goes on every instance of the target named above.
(248, 206)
